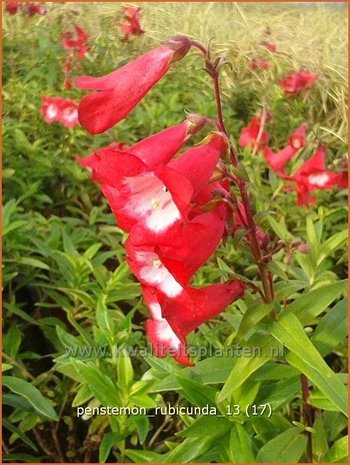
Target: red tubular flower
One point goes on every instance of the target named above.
(131, 26)
(76, 42)
(313, 175)
(296, 82)
(258, 63)
(59, 109)
(172, 321)
(12, 7)
(168, 261)
(277, 161)
(297, 140)
(250, 133)
(120, 91)
(271, 47)
(156, 196)
(32, 9)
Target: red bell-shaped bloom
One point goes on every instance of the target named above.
(119, 92)
(167, 261)
(172, 321)
(64, 111)
(258, 63)
(76, 42)
(156, 196)
(269, 46)
(32, 9)
(297, 139)
(131, 26)
(250, 133)
(278, 161)
(313, 175)
(296, 82)
(12, 7)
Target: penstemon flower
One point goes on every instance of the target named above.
(313, 175)
(172, 319)
(117, 93)
(64, 111)
(154, 196)
(277, 161)
(131, 25)
(297, 82)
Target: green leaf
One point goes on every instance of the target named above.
(92, 250)
(103, 317)
(125, 370)
(286, 447)
(263, 347)
(285, 289)
(17, 401)
(331, 245)
(320, 401)
(189, 450)
(209, 426)
(241, 445)
(143, 426)
(108, 441)
(332, 329)
(310, 305)
(197, 393)
(254, 313)
(6, 367)
(144, 456)
(212, 370)
(19, 433)
(338, 453)
(32, 395)
(279, 228)
(304, 356)
(100, 384)
(34, 262)
(12, 341)
(319, 439)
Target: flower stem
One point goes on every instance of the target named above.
(308, 415)
(265, 275)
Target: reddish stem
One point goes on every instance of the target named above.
(308, 415)
(263, 271)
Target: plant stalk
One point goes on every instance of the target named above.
(263, 271)
(308, 415)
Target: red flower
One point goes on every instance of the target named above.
(59, 109)
(250, 133)
(32, 9)
(258, 63)
(120, 91)
(313, 175)
(154, 196)
(296, 82)
(76, 42)
(298, 139)
(271, 47)
(277, 161)
(131, 26)
(12, 7)
(172, 321)
(167, 261)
